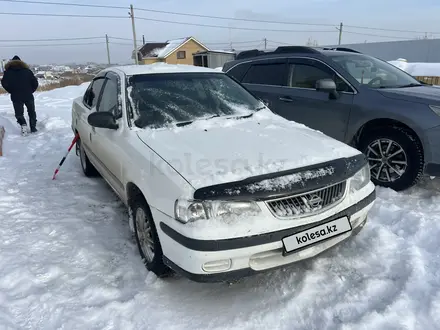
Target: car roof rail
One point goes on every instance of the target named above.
(295, 49)
(342, 49)
(278, 50)
(249, 53)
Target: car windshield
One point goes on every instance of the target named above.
(373, 72)
(159, 100)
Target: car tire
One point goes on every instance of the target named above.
(147, 238)
(87, 167)
(396, 151)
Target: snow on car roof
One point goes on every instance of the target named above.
(131, 70)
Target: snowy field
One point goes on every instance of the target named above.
(68, 261)
(417, 69)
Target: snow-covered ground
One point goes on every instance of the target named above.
(44, 82)
(418, 69)
(68, 261)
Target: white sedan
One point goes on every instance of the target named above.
(217, 186)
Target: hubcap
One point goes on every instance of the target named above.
(387, 159)
(143, 230)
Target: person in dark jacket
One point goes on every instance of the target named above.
(19, 81)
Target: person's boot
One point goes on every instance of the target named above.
(34, 130)
(24, 130)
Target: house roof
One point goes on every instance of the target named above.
(164, 49)
(148, 49)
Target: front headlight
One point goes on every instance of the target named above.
(189, 210)
(360, 179)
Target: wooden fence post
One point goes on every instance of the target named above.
(2, 135)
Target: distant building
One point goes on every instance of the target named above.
(212, 58)
(178, 51)
(423, 50)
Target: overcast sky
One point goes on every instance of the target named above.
(421, 15)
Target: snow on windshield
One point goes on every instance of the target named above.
(162, 99)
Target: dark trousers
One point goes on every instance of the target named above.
(19, 112)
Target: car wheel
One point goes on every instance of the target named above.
(147, 238)
(395, 157)
(87, 167)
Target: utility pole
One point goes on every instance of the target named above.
(265, 43)
(143, 39)
(108, 49)
(340, 33)
(134, 35)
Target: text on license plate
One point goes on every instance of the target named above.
(316, 234)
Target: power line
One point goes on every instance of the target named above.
(115, 38)
(202, 16)
(120, 43)
(65, 4)
(228, 27)
(377, 35)
(165, 12)
(119, 38)
(278, 42)
(128, 39)
(157, 20)
(161, 11)
(53, 45)
(232, 18)
(53, 39)
(62, 15)
(210, 16)
(391, 30)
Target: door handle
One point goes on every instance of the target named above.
(286, 99)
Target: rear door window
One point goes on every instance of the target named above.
(268, 73)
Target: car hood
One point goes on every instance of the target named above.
(421, 94)
(222, 150)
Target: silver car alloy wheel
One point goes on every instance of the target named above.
(388, 161)
(144, 234)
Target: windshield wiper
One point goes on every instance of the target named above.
(410, 85)
(251, 114)
(400, 86)
(184, 123)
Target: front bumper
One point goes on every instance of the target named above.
(232, 259)
(432, 151)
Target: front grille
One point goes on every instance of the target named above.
(307, 203)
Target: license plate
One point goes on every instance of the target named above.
(316, 234)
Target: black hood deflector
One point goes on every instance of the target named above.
(248, 189)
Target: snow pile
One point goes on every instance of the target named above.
(418, 69)
(68, 261)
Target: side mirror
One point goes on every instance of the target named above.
(102, 119)
(327, 86)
